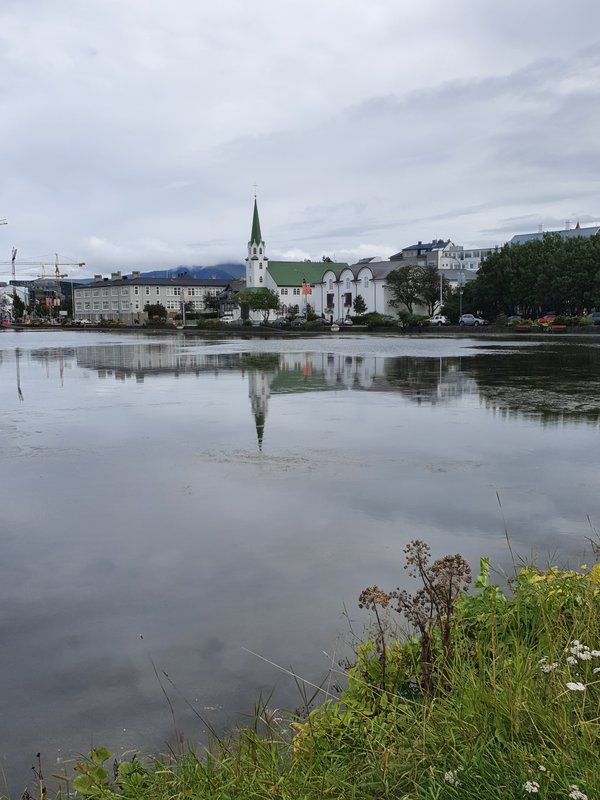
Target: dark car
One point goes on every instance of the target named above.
(594, 317)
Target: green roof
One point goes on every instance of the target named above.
(255, 236)
(294, 273)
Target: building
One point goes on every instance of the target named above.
(567, 233)
(123, 299)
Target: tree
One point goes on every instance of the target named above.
(403, 286)
(359, 305)
(262, 300)
(18, 308)
(155, 310)
(429, 280)
(211, 303)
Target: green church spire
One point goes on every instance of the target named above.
(255, 236)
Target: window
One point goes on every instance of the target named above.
(95, 292)
(347, 284)
(114, 291)
(147, 290)
(297, 291)
(173, 305)
(125, 290)
(254, 250)
(124, 305)
(366, 283)
(137, 306)
(105, 305)
(331, 284)
(86, 293)
(86, 306)
(284, 291)
(260, 265)
(78, 306)
(115, 305)
(260, 279)
(158, 290)
(260, 251)
(104, 292)
(136, 289)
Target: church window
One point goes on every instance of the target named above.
(347, 283)
(330, 285)
(254, 250)
(260, 279)
(260, 251)
(366, 283)
(260, 265)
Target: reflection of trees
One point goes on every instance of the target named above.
(551, 384)
(431, 380)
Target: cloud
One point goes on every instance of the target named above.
(125, 124)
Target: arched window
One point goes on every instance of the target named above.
(260, 251)
(296, 309)
(260, 265)
(254, 250)
(366, 283)
(260, 278)
(347, 284)
(330, 285)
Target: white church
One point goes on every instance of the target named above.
(329, 288)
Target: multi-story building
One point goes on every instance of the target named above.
(122, 299)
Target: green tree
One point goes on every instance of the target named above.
(211, 303)
(403, 286)
(262, 300)
(429, 280)
(155, 310)
(359, 305)
(18, 308)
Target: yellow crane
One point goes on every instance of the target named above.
(42, 264)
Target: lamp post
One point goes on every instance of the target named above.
(461, 286)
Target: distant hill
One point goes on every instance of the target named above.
(219, 271)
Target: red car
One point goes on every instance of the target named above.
(547, 319)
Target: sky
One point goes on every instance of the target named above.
(133, 132)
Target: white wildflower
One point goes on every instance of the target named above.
(595, 653)
(575, 686)
(585, 655)
(549, 667)
(595, 670)
(575, 642)
(450, 777)
(532, 787)
(576, 794)
(542, 768)
(571, 660)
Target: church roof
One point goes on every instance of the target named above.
(570, 233)
(295, 273)
(255, 236)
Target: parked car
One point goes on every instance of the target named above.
(281, 322)
(514, 318)
(344, 321)
(298, 322)
(228, 318)
(439, 319)
(594, 317)
(547, 319)
(471, 319)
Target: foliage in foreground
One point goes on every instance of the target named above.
(495, 695)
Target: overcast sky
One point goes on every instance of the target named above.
(132, 131)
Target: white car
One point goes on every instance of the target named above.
(228, 318)
(439, 319)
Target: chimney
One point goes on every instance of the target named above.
(115, 276)
(134, 275)
(97, 277)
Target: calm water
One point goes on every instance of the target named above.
(168, 503)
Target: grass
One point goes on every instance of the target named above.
(495, 717)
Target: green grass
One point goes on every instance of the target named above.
(493, 719)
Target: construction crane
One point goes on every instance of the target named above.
(42, 264)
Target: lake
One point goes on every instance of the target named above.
(169, 504)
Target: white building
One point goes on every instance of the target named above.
(123, 299)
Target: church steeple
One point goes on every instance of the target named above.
(256, 261)
(255, 236)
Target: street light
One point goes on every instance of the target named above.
(461, 286)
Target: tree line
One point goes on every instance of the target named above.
(558, 274)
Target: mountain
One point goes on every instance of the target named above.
(220, 271)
